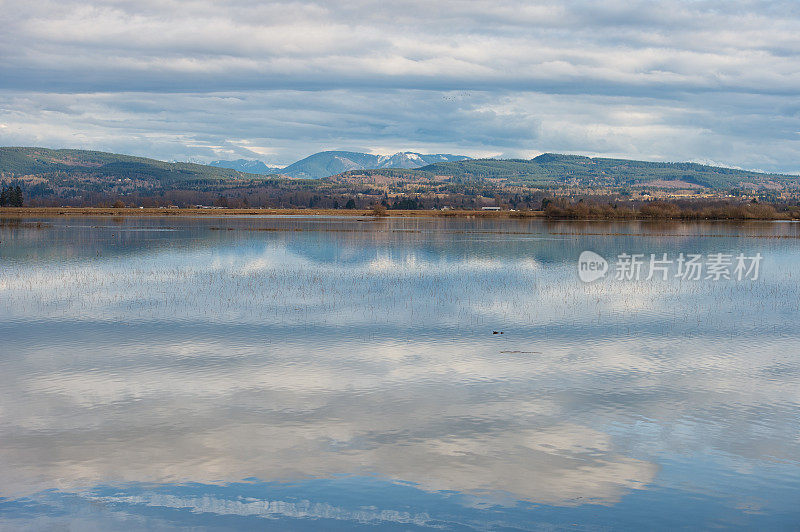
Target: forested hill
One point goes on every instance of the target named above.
(551, 168)
(105, 167)
(15, 162)
(75, 174)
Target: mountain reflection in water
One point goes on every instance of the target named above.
(342, 372)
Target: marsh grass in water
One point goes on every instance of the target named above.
(345, 373)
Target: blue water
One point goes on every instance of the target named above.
(342, 373)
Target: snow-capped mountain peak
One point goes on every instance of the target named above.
(328, 163)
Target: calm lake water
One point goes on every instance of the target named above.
(337, 373)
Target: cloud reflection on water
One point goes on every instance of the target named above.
(223, 358)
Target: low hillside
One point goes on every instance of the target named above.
(77, 173)
(17, 162)
(574, 170)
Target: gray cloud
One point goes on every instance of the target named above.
(674, 80)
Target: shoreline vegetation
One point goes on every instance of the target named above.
(556, 210)
(661, 210)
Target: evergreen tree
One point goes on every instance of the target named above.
(4, 197)
(17, 197)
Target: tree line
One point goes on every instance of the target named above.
(563, 209)
(11, 196)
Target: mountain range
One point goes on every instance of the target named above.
(599, 172)
(328, 163)
(86, 177)
(249, 166)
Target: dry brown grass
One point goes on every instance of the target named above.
(29, 212)
(582, 211)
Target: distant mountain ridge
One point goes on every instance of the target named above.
(250, 166)
(22, 161)
(551, 169)
(328, 163)
(546, 170)
(68, 176)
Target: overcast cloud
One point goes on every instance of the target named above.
(672, 80)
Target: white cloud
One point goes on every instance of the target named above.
(677, 80)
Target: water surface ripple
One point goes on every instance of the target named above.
(337, 373)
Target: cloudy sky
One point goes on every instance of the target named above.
(706, 81)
